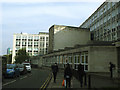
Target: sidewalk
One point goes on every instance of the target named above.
(60, 76)
(96, 82)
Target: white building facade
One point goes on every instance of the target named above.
(104, 23)
(35, 44)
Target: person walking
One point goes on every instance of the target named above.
(81, 73)
(54, 71)
(68, 75)
(111, 69)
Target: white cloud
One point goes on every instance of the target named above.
(44, 1)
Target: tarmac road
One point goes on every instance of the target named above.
(35, 79)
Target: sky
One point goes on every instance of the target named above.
(34, 16)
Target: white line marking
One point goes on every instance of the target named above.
(23, 77)
(9, 83)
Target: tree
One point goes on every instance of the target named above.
(8, 58)
(21, 56)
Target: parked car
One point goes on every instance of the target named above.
(4, 66)
(28, 66)
(12, 70)
(22, 68)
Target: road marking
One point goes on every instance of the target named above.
(9, 83)
(30, 75)
(46, 82)
(23, 77)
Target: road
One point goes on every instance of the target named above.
(35, 79)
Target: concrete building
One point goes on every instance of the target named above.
(93, 55)
(104, 23)
(35, 44)
(67, 36)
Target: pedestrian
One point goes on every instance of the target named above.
(68, 75)
(81, 74)
(54, 71)
(112, 66)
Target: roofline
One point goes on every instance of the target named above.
(69, 27)
(93, 13)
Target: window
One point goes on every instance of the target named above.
(78, 58)
(86, 59)
(70, 59)
(36, 38)
(40, 38)
(43, 38)
(109, 5)
(75, 59)
(24, 37)
(30, 37)
(86, 67)
(18, 37)
(46, 38)
(82, 59)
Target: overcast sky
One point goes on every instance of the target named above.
(34, 16)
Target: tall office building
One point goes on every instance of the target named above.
(35, 44)
(9, 51)
(104, 23)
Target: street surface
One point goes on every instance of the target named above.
(35, 79)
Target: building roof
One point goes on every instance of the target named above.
(43, 32)
(30, 34)
(68, 27)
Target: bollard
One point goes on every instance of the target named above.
(89, 81)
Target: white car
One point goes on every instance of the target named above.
(28, 66)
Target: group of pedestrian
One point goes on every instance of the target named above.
(81, 73)
(68, 73)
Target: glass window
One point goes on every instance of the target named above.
(30, 37)
(75, 59)
(78, 59)
(82, 59)
(86, 67)
(36, 37)
(41, 38)
(18, 37)
(46, 38)
(86, 59)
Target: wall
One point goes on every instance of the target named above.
(100, 58)
(70, 37)
(51, 36)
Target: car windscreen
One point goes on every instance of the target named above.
(27, 64)
(20, 66)
(10, 66)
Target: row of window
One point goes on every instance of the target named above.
(42, 44)
(75, 59)
(32, 38)
(99, 13)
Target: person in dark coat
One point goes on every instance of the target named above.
(81, 73)
(111, 69)
(68, 75)
(54, 70)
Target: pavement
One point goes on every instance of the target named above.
(97, 82)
